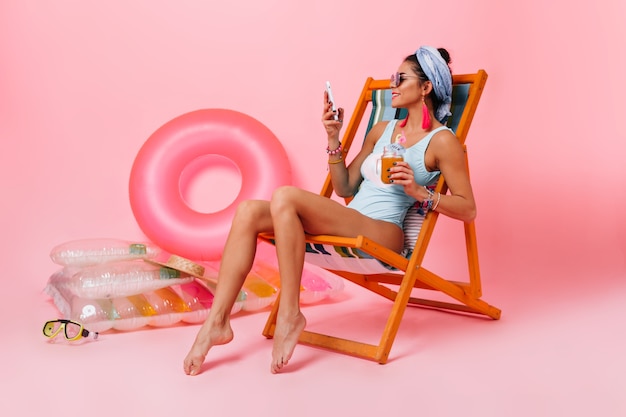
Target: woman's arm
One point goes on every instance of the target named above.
(447, 155)
(450, 159)
(346, 180)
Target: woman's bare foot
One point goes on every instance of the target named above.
(209, 335)
(286, 336)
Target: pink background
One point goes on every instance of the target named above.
(85, 83)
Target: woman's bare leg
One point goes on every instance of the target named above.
(295, 211)
(289, 237)
(251, 218)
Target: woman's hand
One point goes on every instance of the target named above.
(402, 174)
(332, 126)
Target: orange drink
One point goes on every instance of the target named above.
(387, 161)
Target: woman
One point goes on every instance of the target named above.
(423, 85)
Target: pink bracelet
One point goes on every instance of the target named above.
(334, 151)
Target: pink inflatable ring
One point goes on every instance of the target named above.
(155, 196)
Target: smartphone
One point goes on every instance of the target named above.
(332, 100)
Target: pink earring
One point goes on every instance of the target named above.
(425, 115)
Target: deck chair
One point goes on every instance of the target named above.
(396, 276)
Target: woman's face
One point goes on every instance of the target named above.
(405, 87)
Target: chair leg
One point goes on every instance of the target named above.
(400, 303)
(470, 303)
(270, 324)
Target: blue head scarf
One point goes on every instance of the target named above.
(438, 72)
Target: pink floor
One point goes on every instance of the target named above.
(556, 352)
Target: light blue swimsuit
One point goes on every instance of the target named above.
(389, 202)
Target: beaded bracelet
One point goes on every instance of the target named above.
(334, 151)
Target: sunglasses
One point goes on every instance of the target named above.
(396, 79)
(72, 330)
